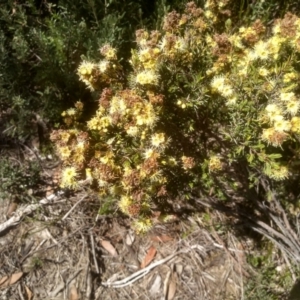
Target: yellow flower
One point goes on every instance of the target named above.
(107, 158)
(93, 123)
(218, 83)
(278, 173)
(282, 125)
(140, 120)
(231, 100)
(288, 77)
(236, 41)
(273, 137)
(263, 72)
(80, 147)
(292, 107)
(68, 179)
(150, 153)
(210, 15)
(65, 135)
(180, 45)
(274, 44)
(147, 77)
(157, 139)
(104, 122)
(287, 96)
(274, 112)
(215, 164)
(276, 29)
(150, 64)
(71, 112)
(261, 50)
(64, 152)
(111, 54)
(88, 174)
(267, 133)
(144, 55)
(251, 56)
(142, 225)
(118, 105)
(226, 91)
(85, 68)
(295, 122)
(124, 203)
(132, 130)
(103, 66)
(149, 117)
(102, 182)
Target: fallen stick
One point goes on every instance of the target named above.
(27, 210)
(141, 273)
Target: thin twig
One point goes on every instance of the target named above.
(141, 273)
(73, 207)
(62, 286)
(27, 210)
(94, 254)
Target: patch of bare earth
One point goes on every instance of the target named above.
(63, 251)
(58, 248)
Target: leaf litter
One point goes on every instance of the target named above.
(65, 249)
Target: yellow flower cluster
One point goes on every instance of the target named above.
(215, 164)
(94, 75)
(133, 146)
(68, 179)
(220, 85)
(277, 172)
(147, 77)
(72, 146)
(252, 59)
(281, 115)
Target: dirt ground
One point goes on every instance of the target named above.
(64, 251)
(60, 248)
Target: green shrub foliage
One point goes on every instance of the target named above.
(206, 107)
(41, 44)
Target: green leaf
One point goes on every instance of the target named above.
(275, 155)
(250, 158)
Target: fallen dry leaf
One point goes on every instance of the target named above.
(11, 209)
(155, 288)
(28, 292)
(172, 286)
(109, 247)
(161, 238)
(130, 237)
(166, 284)
(179, 269)
(149, 257)
(73, 295)
(10, 280)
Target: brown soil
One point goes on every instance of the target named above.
(65, 257)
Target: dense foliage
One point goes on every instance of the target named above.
(41, 44)
(207, 107)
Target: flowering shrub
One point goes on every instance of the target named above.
(202, 110)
